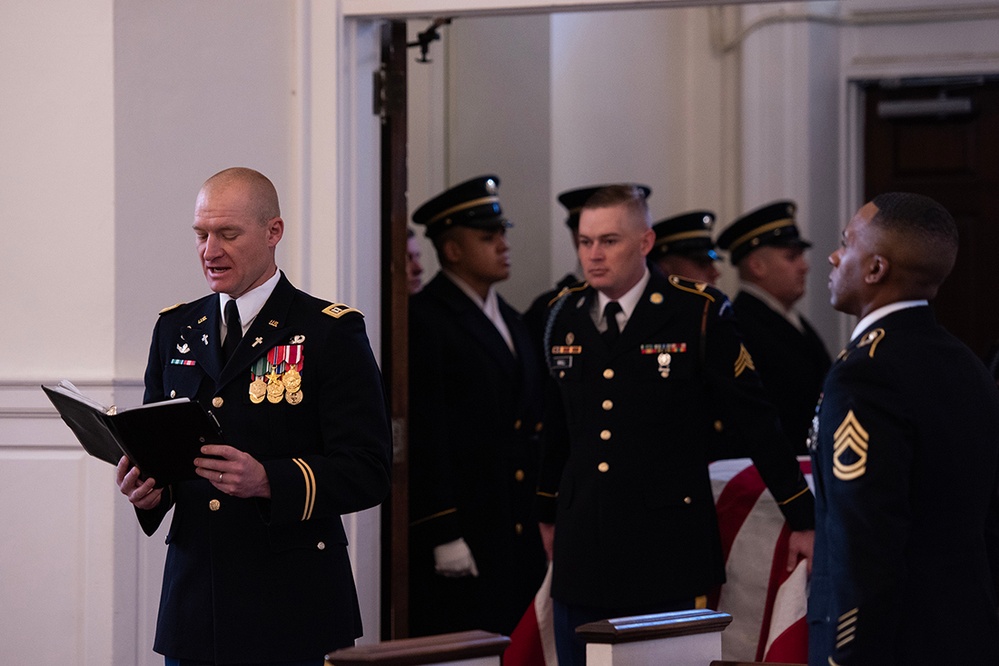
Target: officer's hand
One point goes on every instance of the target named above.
(142, 494)
(799, 547)
(232, 471)
(548, 538)
(454, 559)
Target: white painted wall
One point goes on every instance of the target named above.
(185, 109)
(637, 96)
(499, 122)
(57, 191)
(790, 110)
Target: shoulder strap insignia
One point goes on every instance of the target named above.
(684, 284)
(172, 307)
(568, 290)
(872, 339)
(337, 310)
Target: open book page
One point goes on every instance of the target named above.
(67, 387)
(88, 421)
(149, 405)
(162, 439)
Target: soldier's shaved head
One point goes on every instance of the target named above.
(898, 247)
(261, 199)
(919, 237)
(631, 197)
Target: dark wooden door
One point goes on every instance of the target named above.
(390, 103)
(914, 142)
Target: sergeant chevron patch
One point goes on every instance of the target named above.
(744, 361)
(850, 449)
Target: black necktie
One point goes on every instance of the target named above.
(610, 312)
(234, 330)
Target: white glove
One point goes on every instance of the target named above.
(454, 559)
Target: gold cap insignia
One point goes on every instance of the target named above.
(744, 361)
(850, 449)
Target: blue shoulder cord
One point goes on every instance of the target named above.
(549, 324)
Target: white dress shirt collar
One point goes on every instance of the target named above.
(628, 302)
(882, 312)
(250, 303)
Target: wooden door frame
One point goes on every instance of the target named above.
(390, 100)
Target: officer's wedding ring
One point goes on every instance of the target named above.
(220, 477)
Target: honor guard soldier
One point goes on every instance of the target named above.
(684, 247)
(636, 359)
(769, 252)
(257, 570)
(905, 459)
(476, 559)
(572, 201)
(414, 268)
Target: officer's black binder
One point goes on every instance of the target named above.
(162, 439)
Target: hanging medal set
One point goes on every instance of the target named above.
(276, 376)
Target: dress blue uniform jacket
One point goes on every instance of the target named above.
(263, 580)
(792, 364)
(629, 431)
(905, 471)
(475, 414)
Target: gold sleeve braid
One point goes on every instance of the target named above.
(310, 487)
(439, 514)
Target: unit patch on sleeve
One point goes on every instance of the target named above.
(850, 443)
